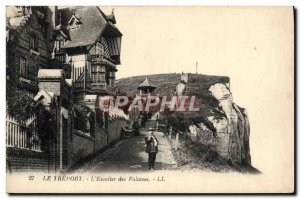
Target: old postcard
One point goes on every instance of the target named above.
(149, 99)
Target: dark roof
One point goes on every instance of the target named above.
(111, 29)
(146, 84)
(93, 23)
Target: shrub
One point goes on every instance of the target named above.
(21, 107)
(83, 115)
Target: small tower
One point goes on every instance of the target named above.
(146, 87)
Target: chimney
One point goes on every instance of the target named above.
(54, 12)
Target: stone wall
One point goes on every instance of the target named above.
(101, 136)
(50, 86)
(22, 160)
(115, 130)
(83, 145)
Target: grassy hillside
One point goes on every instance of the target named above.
(198, 85)
(166, 83)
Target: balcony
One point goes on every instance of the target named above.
(94, 87)
(100, 59)
(80, 85)
(101, 87)
(98, 86)
(98, 69)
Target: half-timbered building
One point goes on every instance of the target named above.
(90, 43)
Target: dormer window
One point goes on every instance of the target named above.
(74, 22)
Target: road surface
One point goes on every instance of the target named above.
(129, 156)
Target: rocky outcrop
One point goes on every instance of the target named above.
(231, 139)
(220, 125)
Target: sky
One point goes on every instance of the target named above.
(251, 45)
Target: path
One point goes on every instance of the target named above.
(129, 156)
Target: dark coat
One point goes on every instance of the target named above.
(151, 148)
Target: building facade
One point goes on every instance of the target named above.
(90, 43)
(28, 33)
(65, 59)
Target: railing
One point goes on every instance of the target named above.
(98, 85)
(97, 58)
(94, 86)
(17, 134)
(101, 86)
(101, 59)
(61, 57)
(80, 85)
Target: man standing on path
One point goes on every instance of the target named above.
(151, 148)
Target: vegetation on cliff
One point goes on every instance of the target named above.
(198, 85)
(221, 128)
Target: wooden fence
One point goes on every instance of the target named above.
(17, 134)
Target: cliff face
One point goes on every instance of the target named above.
(220, 125)
(235, 130)
(231, 139)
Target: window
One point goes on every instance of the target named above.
(94, 69)
(99, 49)
(23, 67)
(101, 69)
(74, 22)
(59, 44)
(98, 74)
(95, 77)
(102, 77)
(98, 69)
(112, 74)
(33, 42)
(98, 77)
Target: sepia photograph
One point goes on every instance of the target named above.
(103, 99)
